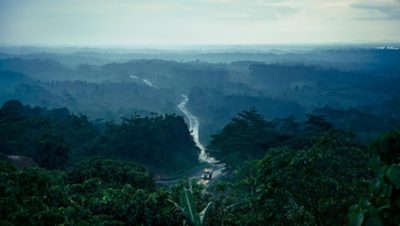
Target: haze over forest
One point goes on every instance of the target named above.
(204, 112)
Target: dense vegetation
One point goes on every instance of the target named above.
(95, 192)
(381, 204)
(282, 172)
(57, 139)
(249, 136)
(160, 142)
(304, 153)
(287, 182)
(278, 85)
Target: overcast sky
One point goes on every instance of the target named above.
(186, 22)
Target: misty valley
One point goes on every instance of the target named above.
(302, 135)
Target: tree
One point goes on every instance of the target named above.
(381, 205)
(13, 107)
(162, 142)
(317, 123)
(248, 136)
(309, 186)
(52, 152)
(96, 192)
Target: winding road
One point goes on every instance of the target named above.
(194, 125)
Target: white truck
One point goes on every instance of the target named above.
(207, 174)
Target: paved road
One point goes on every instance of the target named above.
(217, 172)
(194, 125)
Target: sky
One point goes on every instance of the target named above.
(197, 22)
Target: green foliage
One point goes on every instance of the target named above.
(318, 183)
(97, 192)
(246, 137)
(31, 196)
(51, 152)
(187, 208)
(381, 206)
(317, 122)
(249, 136)
(161, 142)
(201, 198)
(355, 119)
(23, 129)
(281, 172)
(308, 186)
(112, 173)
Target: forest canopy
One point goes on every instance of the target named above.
(56, 138)
(281, 171)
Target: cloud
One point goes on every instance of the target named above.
(126, 22)
(379, 10)
(220, 9)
